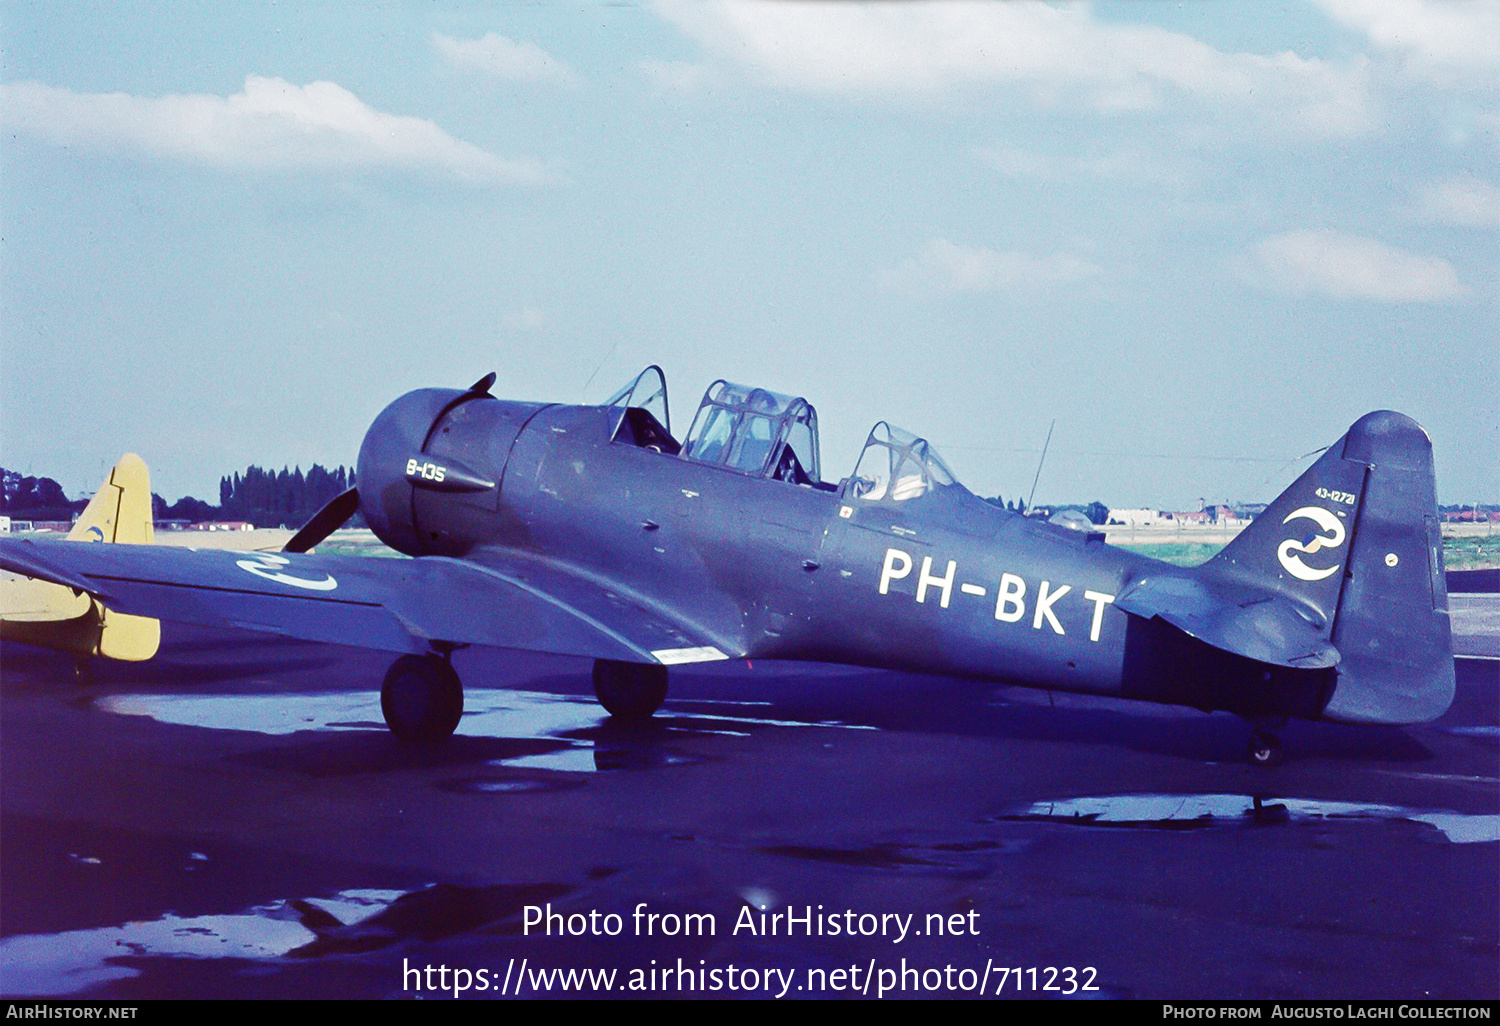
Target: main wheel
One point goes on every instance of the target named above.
(422, 699)
(629, 691)
(1264, 749)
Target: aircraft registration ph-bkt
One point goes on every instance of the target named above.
(592, 531)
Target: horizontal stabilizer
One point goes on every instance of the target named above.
(1236, 618)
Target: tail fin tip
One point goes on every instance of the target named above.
(1390, 439)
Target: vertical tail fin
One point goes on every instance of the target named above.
(120, 510)
(1355, 541)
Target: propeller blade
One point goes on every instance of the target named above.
(325, 521)
(484, 383)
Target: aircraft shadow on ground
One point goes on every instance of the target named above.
(24, 662)
(349, 752)
(906, 702)
(884, 700)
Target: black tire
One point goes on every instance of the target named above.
(422, 699)
(629, 691)
(1264, 749)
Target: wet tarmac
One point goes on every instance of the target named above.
(232, 819)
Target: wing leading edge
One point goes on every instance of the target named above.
(398, 605)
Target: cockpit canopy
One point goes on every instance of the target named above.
(765, 434)
(756, 432)
(644, 418)
(896, 466)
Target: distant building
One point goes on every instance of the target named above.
(221, 525)
(4, 525)
(1471, 516)
(1135, 517)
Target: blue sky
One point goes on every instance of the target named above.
(1203, 237)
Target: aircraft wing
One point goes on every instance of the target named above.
(398, 605)
(1238, 618)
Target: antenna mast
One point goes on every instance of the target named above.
(1039, 463)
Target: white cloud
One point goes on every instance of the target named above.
(494, 54)
(269, 125)
(1344, 266)
(1465, 201)
(1127, 165)
(524, 318)
(954, 267)
(1450, 42)
(678, 76)
(907, 49)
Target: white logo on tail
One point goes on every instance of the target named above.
(1287, 552)
(265, 565)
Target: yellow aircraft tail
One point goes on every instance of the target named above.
(120, 510)
(50, 615)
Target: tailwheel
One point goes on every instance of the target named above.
(422, 699)
(1264, 749)
(629, 691)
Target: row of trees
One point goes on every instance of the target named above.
(269, 498)
(33, 498)
(265, 498)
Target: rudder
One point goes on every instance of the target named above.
(1392, 627)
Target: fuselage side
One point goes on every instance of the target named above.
(942, 583)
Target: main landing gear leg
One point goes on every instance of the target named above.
(629, 691)
(422, 698)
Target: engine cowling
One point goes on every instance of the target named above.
(431, 468)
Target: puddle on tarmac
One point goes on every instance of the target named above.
(954, 858)
(64, 963)
(488, 712)
(1493, 733)
(348, 922)
(1195, 811)
(522, 785)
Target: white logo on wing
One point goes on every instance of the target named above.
(265, 565)
(1287, 551)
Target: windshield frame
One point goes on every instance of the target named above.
(626, 398)
(897, 466)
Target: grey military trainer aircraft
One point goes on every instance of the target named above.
(593, 531)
